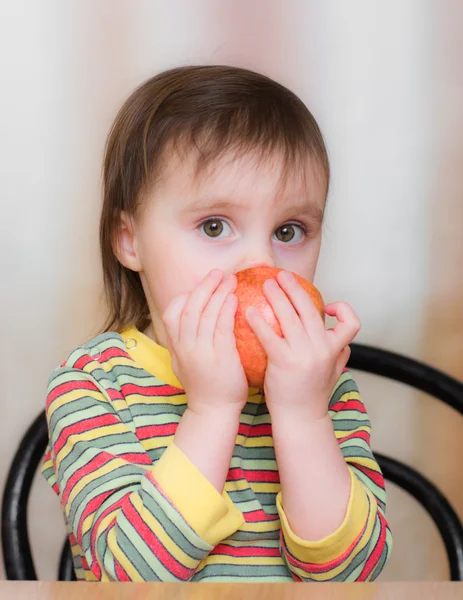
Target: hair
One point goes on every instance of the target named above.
(214, 110)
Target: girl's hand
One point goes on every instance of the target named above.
(304, 366)
(200, 332)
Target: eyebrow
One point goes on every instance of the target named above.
(311, 211)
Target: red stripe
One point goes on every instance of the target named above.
(377, 550)
(113, 352)
(72, 539)
(351, 404)
(361, 434)
(84, 426)
(106, 355)
(93, 539)
(170, 563)
(151, 390)
(136, 458)
(85, 563)
(69, 386)
(82, 362)
(153, 431)
(245, 551)
(320, 568)
(257, 516)
(78, 384)
(375, 476)
(114, 394)
(90, 508)
(121, 574)
(96, 524)
(255, 430)
(98, 461)
(238, 473)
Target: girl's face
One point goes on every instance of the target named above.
(229, 218)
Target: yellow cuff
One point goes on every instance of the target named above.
(213, 517)
(336, 544)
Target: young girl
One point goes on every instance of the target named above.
(167, 465)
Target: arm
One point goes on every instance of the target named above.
(133, 520)
(333, 497)
(197, 433)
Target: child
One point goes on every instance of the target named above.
(167, 465)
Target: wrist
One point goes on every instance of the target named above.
(210, 412)
(309, 413)
(208, 440)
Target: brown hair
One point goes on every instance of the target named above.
(213, 109)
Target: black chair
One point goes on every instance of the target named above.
(17, 555)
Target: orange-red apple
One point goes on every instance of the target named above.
(250, 293)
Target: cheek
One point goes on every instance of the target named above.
(174, 277)
(173, 268)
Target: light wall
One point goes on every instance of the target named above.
(383, 80)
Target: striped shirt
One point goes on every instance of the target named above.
(136, 508)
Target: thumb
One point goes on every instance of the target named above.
(342, 359)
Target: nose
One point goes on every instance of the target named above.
(263, 260)
(254, 250)
(261, 264)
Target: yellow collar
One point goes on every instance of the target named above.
(158, 362)
(151, 356)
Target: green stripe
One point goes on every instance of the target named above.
(126, 477)
(242, 572)
(144, 560)
(173, 523)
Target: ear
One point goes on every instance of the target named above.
(126, 244)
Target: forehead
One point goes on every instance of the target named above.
(244, 178)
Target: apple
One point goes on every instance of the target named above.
(250, 293)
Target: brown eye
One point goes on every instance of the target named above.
(285, 233)
(288, 233)
(213, 227)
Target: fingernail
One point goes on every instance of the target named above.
(250, 311)
(271, 284)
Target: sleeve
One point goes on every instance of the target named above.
(360, 548)
(134, 521)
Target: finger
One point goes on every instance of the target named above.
(271, 341)
(308, 313)
(210, 316)
(223, 335)
(172, 314)
(348, 323)
(197, 301)
(289, 320)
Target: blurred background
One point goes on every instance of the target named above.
(385, 82)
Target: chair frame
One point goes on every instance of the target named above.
(450, 391)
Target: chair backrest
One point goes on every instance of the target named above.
(17, 556)
(450, 391)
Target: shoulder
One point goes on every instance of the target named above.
(101, 347)
(91, 360)
(91, 375)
